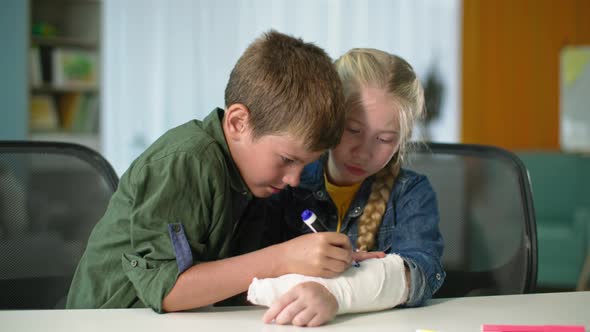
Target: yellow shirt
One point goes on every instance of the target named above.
(341, 196)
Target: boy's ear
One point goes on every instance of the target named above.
(235, 121)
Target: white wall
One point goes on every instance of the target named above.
(167, 61)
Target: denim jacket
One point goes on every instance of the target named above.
(409, 227)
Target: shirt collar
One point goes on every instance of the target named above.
(345, 190)
(213, 124)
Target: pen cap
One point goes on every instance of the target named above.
(308, 217)
(312, 220)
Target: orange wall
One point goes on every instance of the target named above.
(511, 69)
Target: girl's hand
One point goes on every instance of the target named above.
(307, 304)
(325, 254)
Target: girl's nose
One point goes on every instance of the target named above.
(362, 151)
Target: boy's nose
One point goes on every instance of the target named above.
(292, 178)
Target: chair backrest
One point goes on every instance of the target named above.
(51, 196)
(558, 198)
(486, 218)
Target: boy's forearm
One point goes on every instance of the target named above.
(210, 282)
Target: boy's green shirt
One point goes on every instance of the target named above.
(185, 181)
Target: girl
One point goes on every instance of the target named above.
(359, 188)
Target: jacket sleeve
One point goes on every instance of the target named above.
(418, 239)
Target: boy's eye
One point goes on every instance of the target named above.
(286, 160)
(353, 130)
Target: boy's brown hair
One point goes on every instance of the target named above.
(289, 86)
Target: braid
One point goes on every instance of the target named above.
(372, 216)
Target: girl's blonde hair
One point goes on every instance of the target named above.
(361, 67)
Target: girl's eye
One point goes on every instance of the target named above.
(385, 140)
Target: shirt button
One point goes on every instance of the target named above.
(356, 210)
(244, 193)
(438, 276)
(134, 263)
(320, 194)
(176, 228)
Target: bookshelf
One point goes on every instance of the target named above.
(64, 67)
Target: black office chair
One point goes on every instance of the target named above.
(51, 195)
(486, 218)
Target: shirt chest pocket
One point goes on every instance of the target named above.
(386, 231)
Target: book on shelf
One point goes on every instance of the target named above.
(79, 112)
(43, 115)
(46, 64)
(63, 68)
(74, 68)
(69, 105)
(35, 67)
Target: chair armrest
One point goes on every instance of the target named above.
(582, 224)
(582, 219)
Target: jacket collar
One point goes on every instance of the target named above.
(312, 177)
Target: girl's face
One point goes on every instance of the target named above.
(370, 139)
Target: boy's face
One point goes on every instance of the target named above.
(370, 138)
(269, 163)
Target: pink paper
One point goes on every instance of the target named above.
(532, 328)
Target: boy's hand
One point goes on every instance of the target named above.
(307, 304)
(325, 254)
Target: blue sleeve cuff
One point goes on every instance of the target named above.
(182, 250)
(417, 285)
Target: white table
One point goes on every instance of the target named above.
(446, 315)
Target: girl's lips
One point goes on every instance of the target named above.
(355, 170)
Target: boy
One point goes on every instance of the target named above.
(184, 229)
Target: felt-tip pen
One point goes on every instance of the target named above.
(311, 220)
